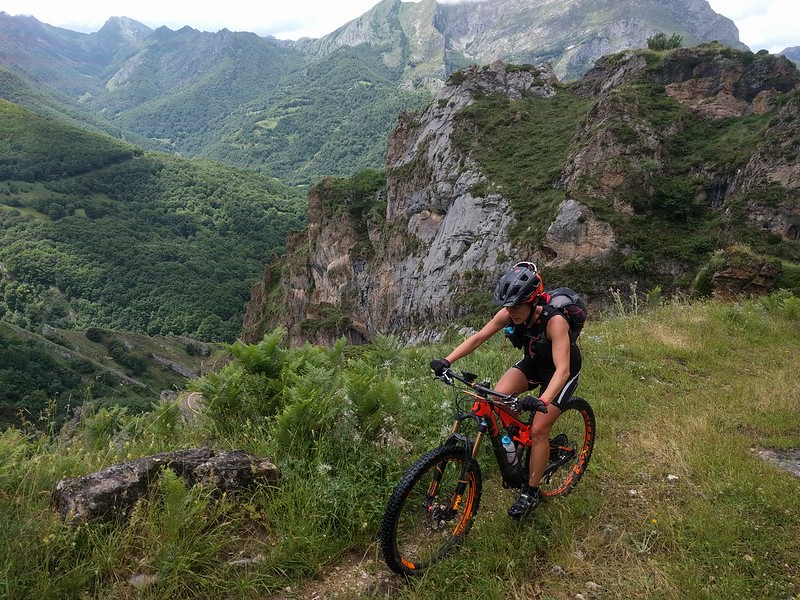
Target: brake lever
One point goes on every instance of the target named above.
(447, 377)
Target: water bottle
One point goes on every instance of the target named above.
(511, 450)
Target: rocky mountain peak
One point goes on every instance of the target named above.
(792, 53)
(431, 40)
(124, 28)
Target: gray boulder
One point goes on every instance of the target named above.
(113, 492)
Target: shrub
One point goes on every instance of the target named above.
(791, 309)
(790, 277)
(660, 41)
(93, 334)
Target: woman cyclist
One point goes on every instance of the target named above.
(551, 362)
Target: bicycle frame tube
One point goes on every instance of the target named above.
(490, 416)
(493, 416)
(491, 412)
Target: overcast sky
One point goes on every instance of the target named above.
(770, 24)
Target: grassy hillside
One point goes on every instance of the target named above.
(36, 148)
(331, 118)
(43, 377)
(691, 391)
(180, 87)
(54, 104)
(93, 232)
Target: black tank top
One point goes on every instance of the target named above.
(538, 347)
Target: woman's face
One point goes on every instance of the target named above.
(520, 313)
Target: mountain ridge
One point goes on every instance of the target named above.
(792, 53)
(478, 33)
(242, 99)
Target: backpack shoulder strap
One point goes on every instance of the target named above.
(548, 312)
(569, 304)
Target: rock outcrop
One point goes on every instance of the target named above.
(446, 233)
(113, 492)
(576, 234)
(740, 273)
(719, 86)
(440, 239)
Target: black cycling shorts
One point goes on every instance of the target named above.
(528, 368)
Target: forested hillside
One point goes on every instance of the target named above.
(181, 87)
(328, 119)
(48, 377)
(94, 232)
(233, 97)
(34, 148)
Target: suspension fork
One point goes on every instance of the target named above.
(471, 448)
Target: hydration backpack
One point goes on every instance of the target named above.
(568, 303)
(563, 301)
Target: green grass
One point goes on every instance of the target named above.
(688, 390)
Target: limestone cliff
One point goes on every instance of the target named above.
(438, 238)
(654, 182)
(431, 39)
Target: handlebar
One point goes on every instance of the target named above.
(484, 388)
(468, 379)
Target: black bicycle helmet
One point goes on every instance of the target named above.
(521, 284)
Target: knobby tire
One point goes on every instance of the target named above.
(569, 454)
(421, 525)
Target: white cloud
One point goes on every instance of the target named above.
(770, 24)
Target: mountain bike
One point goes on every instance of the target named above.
(433, 507)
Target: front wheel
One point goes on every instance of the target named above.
(571, 444)
(431, 510)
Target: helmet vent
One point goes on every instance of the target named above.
(521, 284)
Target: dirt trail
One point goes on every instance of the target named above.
(354, 576)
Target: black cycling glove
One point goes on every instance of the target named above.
(440, 365)
(533, 404)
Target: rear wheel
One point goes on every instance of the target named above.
(431, 510)
(571, 444)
